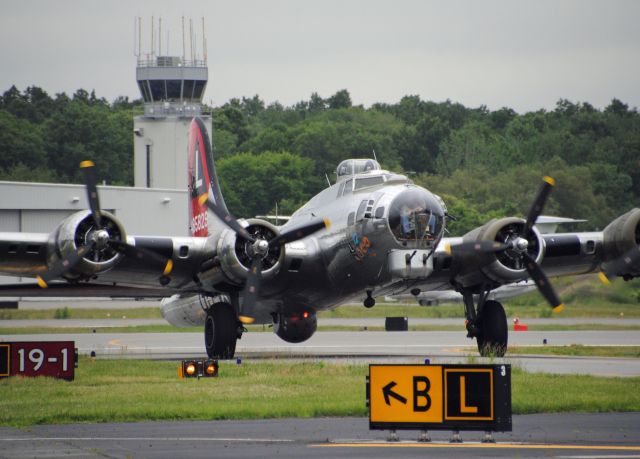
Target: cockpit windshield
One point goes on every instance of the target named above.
(416, 215)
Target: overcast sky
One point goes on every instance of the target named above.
(523, 55)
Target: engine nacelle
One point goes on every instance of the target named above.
(296, 327)
(621, 236)
(185, 311)
(235, 255)
(76, 231)
(502, 267)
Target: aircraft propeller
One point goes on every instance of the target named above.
(99, 238)
(518, 247)
(259, 249)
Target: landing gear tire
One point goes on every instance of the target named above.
(221, 331)
(493, 333)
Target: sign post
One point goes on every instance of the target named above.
(440, 397)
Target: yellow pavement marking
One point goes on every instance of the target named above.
(476, 445)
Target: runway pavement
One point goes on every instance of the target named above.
(568, 435)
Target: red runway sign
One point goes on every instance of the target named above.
(57, 359)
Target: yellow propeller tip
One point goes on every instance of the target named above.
(202, 199)
(85, 164)
(168, 268)
(327, 223)
(246, 319)
(558, 308)
(549, 180)
(447, 248)
(603, 278)
(41, 282)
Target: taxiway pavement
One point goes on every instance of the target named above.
(567, 435)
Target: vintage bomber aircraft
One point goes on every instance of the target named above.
(385, 238)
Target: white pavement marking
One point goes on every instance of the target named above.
(182, 439)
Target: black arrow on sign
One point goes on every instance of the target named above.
(388, 392)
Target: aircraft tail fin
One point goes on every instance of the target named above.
(202, 179)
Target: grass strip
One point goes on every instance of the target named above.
(579, 350)
(142, 390)
(80, 313)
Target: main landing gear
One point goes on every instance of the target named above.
(487, 324)
(222, 329)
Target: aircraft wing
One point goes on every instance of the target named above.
(503, 251)
(81, 290)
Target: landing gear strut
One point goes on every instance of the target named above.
(221, 331)
(487, 323)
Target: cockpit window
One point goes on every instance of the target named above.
(415, 215)
(368, 181)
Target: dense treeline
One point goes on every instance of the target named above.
(483, 163)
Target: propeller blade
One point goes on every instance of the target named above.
(250, 295)
(538, 203)
(227, 218)
(142, 254)
(299, 232)
(64, 265)
(542, 282)
(92, 190)
(476, 247)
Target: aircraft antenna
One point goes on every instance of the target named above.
(374, 155)
(327, 177)
(276, 213)
(159, 36)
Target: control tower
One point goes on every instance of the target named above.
(172, 88)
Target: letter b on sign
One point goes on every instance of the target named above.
(421, 398)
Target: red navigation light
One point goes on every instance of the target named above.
(305, 315)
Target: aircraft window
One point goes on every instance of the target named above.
(367, 213)
(368, 181)
(344, 168)
(351, 218)
(347, 186)
(416, 215)
(360, 212)
(379, 212)
(184, 251)
(341, 189)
